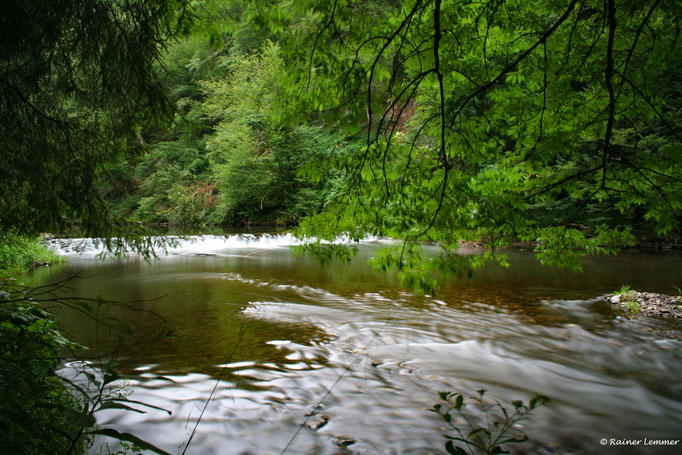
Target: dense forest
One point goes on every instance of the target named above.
(428, 121)
(553, 122)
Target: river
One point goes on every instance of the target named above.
(277, 353)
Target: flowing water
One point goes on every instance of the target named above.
(277, 353)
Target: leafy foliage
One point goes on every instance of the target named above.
(628, 299)
(32, 418)
(486, 437)
(624, 291)
(172, 185)
(97, 390)
(553, 122)
(20, 253)
(238, 149)
(76, 83)
(39, 414)
(258, 155)
(47, 413)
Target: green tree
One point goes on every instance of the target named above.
(257, 150)
(77, 82)
(175, 184)
(555, 121)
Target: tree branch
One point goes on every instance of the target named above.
(608, 75)
(516, 61)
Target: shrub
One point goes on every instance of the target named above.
(32, 411)
(20, 253)
(489, 436)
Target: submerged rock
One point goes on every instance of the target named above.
(319, 423)
(343, 441)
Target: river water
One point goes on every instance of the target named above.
(277, 353)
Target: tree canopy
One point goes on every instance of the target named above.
(550, 121)
(77, 83)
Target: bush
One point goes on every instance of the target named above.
(32, 418)
(33, 410)
(20, 253)
(488, 436)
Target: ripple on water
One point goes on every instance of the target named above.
(384, 355)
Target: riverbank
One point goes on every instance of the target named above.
(38, 411)
(21, 253)
(648, 304)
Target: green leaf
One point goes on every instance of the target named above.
(514, 440)
(533, 402)
(459, 402)
(454, 450)
(125, 400)
(476, 431)
(127, 437)
(92, 378)
(110, 376)
(78, 418)
(115, 405)
(86, 306)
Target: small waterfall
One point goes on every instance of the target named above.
(188, 245)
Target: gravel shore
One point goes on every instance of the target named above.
(649, 304)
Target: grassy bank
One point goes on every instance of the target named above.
(19, 254)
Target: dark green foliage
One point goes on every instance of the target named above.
(32, 412)
(234, 156)
(42, 412)
(76, 81)
(39, 414)
(244, 146)
(485, 434)
(20, 253)
(255, 153)
(173, 185)
(263, 184)
(554, 122)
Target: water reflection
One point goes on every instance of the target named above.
(266, 336)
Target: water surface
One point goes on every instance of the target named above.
(277, 353)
